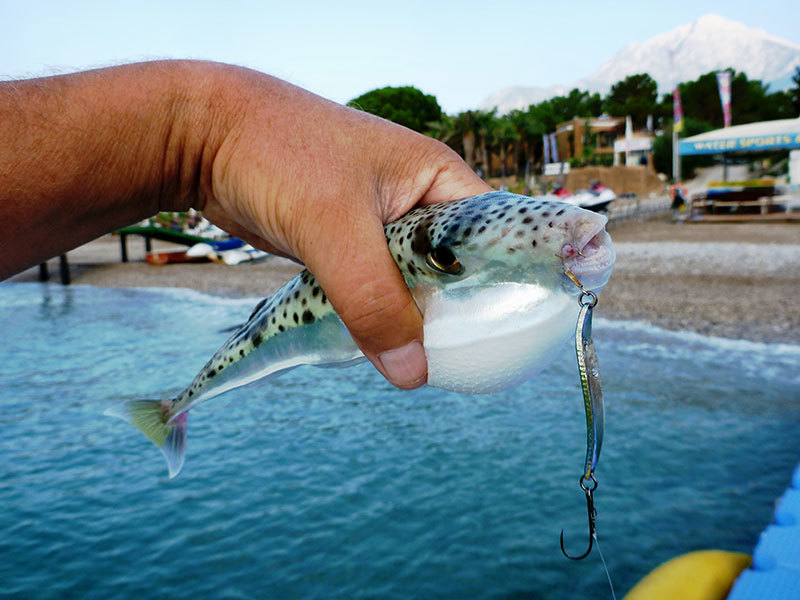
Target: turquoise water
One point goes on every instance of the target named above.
(330, 484)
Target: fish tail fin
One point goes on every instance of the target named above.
(149, 417)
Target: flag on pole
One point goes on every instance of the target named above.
(724, 84)
(628, 138)
(677, 110)
(554, 147)
(546, 142)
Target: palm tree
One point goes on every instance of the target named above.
(464, 129)
(504, 136)
(485, 124)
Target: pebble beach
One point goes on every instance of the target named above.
(736, 281)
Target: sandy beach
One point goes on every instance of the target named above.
(731, 280)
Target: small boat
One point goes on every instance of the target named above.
(210, 247)
(174, 257)
(239, 255)
(596, 198)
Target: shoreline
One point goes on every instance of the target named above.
(736, 281)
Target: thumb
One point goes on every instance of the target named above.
(353, 265)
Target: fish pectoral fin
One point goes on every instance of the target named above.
(148, 417)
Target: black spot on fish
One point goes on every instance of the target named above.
(545, 214)
(559, 213)
(533, 243)
(324, 299)
(527, 220)
(411, 269)
(482, 228)
(191, 393)
(296, 295)
(520, 233)
(241, 352)
(304, 302)
(257, 339)
(211, 373)
(511, 250)
(296, 318)
(550, 224)
(308, 317)
(536, 228)
(523, 210)
(281, 328)
(315, 291)
(421, 244)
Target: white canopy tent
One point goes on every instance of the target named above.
(754, 137)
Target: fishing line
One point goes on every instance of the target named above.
(605, 567)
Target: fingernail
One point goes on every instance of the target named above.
(406, 366)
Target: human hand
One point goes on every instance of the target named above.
(87, 153)
(309, 179)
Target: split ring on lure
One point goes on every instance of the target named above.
(589, 372)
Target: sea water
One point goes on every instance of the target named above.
(329, 483)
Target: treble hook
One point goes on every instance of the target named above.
(587, 489)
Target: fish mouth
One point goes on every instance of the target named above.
(590, 257)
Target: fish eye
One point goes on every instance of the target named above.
(443, 260)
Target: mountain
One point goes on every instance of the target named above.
(710, 43)
(520, 97)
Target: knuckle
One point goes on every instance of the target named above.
(375, 308)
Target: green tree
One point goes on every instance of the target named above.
(577, 103)
(636, 95)
(463, 136)
(662, 149)
(485, 125)
(504, 138)
(405, 105)
(750, 100)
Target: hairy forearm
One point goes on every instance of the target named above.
(83, 154)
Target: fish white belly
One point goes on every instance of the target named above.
(485, 340)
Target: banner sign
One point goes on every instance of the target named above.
(546, 142)
(724, 84)
(556, 169)
(633, 145)
(752, 143)
(554, 147)
(677, 111)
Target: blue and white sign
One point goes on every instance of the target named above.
(754, 137)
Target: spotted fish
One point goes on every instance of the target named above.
(488, 274)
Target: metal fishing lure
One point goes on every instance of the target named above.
(592, 388)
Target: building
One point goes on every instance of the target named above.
(604, 140)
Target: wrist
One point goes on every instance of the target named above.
(201, 106)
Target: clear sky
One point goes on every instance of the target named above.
(459, 51)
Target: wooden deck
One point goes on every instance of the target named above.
(771, 209)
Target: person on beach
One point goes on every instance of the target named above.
(288, 171)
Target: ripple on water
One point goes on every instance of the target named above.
(331, 484)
